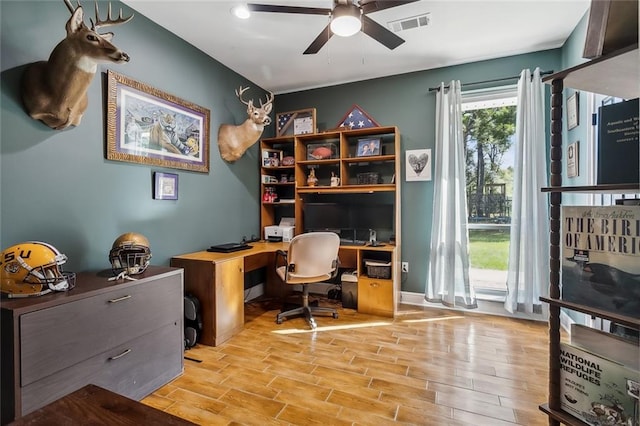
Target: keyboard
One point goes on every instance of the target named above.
(347, 242)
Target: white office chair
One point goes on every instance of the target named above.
(311, 258)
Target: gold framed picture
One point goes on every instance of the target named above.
(298, 122)
(148, 126)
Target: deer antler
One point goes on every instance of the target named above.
(110, 21)
(239, 95)
(270, 98)
(70, 6)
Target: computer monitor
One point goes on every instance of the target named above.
(325, 217)
(378, 217)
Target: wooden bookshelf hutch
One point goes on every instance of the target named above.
(335, 154)
(616, 74)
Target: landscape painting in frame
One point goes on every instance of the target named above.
(148, 126)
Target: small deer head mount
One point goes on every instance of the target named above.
(55, 91)
(233, 141)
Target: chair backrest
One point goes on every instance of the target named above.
(313, 254)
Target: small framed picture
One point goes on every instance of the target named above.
(368, 147)
(165, 186)
(573, 156)
(418, 164)
(298, 122)
(572, 111)
(271, 158)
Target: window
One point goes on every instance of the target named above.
(489, 122)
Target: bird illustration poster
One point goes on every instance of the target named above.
(601, 257)
(418, 164)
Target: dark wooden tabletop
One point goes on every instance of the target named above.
(93, 405)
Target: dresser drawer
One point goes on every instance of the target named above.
(56, 338)
(133, 369)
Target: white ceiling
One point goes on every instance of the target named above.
(267, 48)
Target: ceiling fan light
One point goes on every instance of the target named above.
(346, 20)
(241, 11)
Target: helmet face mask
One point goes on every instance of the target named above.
(33, 268)
(130, 254)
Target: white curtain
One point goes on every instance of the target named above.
(528, 275)
(448, 277)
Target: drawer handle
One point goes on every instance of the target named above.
(113, 358)
(120, 299)
(374, 284)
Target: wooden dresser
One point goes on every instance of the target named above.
(124, 336)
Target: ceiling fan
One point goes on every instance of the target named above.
(343, 12)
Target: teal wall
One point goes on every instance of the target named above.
(405, 101)
(571, 56)
(57, 186)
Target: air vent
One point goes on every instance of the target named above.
(409, 23)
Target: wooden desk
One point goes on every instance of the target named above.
(97, 406)
(217, 280)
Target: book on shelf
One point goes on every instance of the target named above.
(601, 257)
(597, 390)
(616, 348)
(618, 143)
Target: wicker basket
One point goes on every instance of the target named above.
(378, 269)
(370, 178)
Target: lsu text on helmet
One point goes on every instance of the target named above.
(33, 268)
(130, 254)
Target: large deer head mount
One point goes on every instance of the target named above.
(55, 91)
(233, 141)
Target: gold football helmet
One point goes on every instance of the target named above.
(33, 268)
(130, 254)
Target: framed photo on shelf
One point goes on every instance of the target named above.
(368, 147)
(298, 122)
(165, 186)
(572, 111)
(271, 157)
(148, 126)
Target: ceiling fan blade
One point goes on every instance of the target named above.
(380, 33)
(288, 9)
(320, 41)
(369, 6)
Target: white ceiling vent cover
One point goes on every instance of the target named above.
(409, 23)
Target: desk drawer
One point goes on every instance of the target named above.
(59, 337)
(133, 369)
(375, 296)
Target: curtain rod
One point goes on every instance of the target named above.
(542, 73)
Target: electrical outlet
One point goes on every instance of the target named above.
(405, 266)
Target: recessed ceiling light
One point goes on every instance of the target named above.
(241, 11)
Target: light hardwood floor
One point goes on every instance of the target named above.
(425, 367)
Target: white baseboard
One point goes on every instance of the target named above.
(566, 321)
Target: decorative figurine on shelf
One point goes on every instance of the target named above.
(312, 180)
(335, 180)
